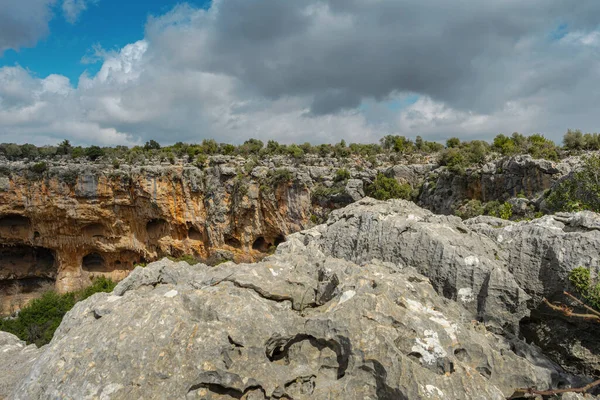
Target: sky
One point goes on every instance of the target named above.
(111, 72)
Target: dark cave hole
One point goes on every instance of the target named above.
(279, 239)
(94, 230)
(194, 234)
(261, 244)
(14, 224)
(156, 228)
(18, 259)
(94, 262)
(231, 241)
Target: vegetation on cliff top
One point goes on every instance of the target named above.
(456, 154)
(37, 321)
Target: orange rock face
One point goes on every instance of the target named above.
(61, 234)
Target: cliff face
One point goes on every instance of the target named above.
(74, 221)
(106, 221)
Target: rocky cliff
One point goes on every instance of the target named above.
(67, 222)
(385, 300)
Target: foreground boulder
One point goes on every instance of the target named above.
(499, 270)
(296, 326)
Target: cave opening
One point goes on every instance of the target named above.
(94, 230)
(156, 228)
(26, 272)
(22, 261)
(231, 241)
(261, 244)
(94, 262)
(14, 224)
(279, 239)
(194, 234)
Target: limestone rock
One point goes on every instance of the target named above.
(282, 328)
(16, 359)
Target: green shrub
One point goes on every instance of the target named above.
(470, 209)
(38, 320)
(454, 160)
(191, 260)
(341, 175)
(581, 279)
(279, 176)
(580, 191)
(322, 194)
(39, 168)
(499, 210)
(69, 177)
(384, 188)
(94, 152)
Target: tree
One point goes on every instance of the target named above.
(64, 148)
(94, 152)
(453, 142)
(152, 145)
(574, 140)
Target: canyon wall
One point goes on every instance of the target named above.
(76, 220)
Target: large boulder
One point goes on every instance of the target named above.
(298, 325)
(500, 270)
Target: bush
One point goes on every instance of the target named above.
(37, 321)
(499, 210)
(580, 191)
(384, 188)
(470, 209)
(454, 160)
(94, 152)
(39, 168)
(152, 145)
(341, 175)
(279, 176)
(191, 260)
(581, 279)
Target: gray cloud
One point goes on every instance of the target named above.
(321, 70)
(23, 22)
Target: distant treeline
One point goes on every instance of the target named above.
(455, 154)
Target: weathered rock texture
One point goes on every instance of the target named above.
(76, 221)
(295, 326)
(499, 270)
(501, 180)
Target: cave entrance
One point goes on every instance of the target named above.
(231, 241)
(30, 270)
(261, 244)
(279, 239)
(94, 230)
(156, 228)
(194, 234)
(94, 262)
(22, 261)
(14, 225)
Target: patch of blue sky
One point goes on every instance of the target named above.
(111, 24)
(560, 32)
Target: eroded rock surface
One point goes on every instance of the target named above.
(384, 301)
(295, 326)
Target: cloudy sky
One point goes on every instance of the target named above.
(104, 72)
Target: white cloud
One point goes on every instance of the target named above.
(73, 8)
(321, 71)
